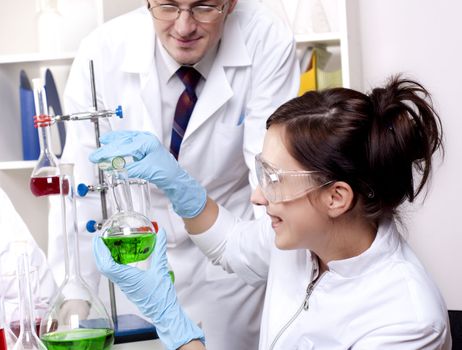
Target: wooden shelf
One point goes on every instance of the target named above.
(18, 165)
(36, 57)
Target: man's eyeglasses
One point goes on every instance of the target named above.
(284, 185)
(201, 13)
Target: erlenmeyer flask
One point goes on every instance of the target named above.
(129, 235)
(45, 176)
(7, 286)
(28, 338)
(7, 337)
(76, 319)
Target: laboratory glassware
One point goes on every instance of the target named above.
(28, 338)
(76, 319)
(141, 198)
(7, 337)
(129, 235)
(45, 176)
(15, 323)
(7, 287)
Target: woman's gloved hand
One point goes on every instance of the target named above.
(154, 164)
(152, 292)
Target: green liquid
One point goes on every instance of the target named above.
(79, 339)
(133, 248)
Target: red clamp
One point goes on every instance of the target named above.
(42, 120)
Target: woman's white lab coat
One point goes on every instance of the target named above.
(381, 299)
(254, 72)
(13, 229)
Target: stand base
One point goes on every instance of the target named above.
(131, 328)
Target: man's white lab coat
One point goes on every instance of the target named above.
(13, 229)
(254, 72)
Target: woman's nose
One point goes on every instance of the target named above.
(258, 198)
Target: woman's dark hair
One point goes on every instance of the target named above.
(373, 142)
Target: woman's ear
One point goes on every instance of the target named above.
(338, 198)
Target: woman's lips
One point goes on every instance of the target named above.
(275, 221)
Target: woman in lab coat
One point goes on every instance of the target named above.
(334, 168)
(247, 75)
(14, 230)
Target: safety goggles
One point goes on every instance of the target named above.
(284, 185)
(201, 13)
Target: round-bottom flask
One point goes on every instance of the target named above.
(129, 235)
(44, 180)
(76, 319)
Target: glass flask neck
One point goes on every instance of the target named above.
(47, 162)
(69, 223)
(120, 190)
(28, 338)
(46, 158)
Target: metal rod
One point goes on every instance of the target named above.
(84, 115)
(101, 181)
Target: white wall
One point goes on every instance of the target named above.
(423, 39)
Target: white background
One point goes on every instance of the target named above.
(423, 39)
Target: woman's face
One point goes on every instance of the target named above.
(299, 223)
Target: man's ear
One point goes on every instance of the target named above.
(232, 4)
(338, 198)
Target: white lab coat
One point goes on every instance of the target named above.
(381, 299)
(254, 72)
(13, 229)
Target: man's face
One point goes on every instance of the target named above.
(185, 39)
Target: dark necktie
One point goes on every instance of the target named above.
(190, 77)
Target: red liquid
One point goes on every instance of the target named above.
(2, 340)
(45, 186)
(15, 327)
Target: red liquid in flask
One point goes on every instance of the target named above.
(15, 327)
(47, 185)
(2, 339)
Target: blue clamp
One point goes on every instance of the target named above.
(91, 226)
(82, 190)
(118, 112)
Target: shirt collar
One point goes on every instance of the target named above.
(385, 244)
(163, 58)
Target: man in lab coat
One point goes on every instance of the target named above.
(13, 231)
(246, 58)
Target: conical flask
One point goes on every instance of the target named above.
(76, 319)
(129, 235)
(28, 338)
(45, 176)
(7, 337)
(7, 286)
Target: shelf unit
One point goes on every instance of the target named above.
(343, 37)
(19, 50)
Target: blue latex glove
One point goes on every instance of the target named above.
(154, 164)
(152, 292)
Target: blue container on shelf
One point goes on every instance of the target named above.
(30, 141)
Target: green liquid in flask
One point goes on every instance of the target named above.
(79, 339)
(132, 248)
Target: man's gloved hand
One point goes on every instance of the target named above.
(152, 292)
(154, 164)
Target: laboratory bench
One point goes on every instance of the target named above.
(140, 345)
